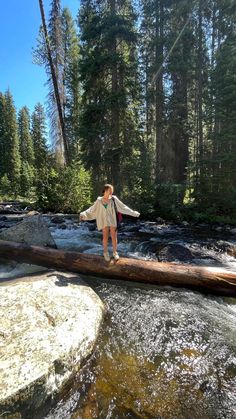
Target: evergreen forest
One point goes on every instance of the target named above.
(141, 94)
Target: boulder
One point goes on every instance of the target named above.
(32, 230)
(173, 252)
(57, 220)
(48, 327)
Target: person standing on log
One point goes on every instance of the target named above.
(104, 212)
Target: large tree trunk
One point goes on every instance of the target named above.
(199, 278)
(115, 112)
(55, 83)
(161, 158)
(199, 99)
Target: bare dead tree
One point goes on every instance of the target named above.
(55, 83)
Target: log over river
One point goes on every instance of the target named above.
(213, 280)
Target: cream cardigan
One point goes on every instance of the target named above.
(107, 216)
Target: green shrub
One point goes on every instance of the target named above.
(5, 187)
(65, 190)
(169, 200)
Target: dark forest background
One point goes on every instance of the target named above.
(141, 94)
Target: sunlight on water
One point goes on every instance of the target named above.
(162, 353)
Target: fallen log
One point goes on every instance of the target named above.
(204, 279)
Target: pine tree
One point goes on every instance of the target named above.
(13, 162)
(152, 67)
(26, 150)
(26, 143)
(180, 42)
(71, 82)
(215, 151)
(3, 140)
(223, 192)
(56, 42)
(109, 118)
(38, 133)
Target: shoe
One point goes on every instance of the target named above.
(106, 256)
(116, 256)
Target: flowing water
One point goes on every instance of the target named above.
(162, 352)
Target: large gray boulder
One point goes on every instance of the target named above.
(49, 324)
(175, 252)
(32, 230)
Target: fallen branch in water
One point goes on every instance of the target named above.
(213, 280)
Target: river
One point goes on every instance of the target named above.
(162, 352)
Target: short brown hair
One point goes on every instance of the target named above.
(107, 186)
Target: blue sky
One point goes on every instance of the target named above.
(18, 33)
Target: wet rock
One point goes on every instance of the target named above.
(11, 208)
(57, 220)
(48, 327)
(232, 251)
(4, 225)
(32, 212)
(173, 252)
(62, 226)
(160, 220)
(233, 231)
(32, 230)
(91, 226)
(218, 227)
(151, 246)
(128, 228)
(202, 225)
(125, 380)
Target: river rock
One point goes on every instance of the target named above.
(32, 230)
(232, 251)
(160, 220)
(3, 225)
(62, 226)
(57, 220)
(48, 327)
(173, 252)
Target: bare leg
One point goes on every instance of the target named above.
(105, 232)
(114, 238)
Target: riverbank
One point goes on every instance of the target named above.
(192, 215)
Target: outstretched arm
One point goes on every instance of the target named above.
(124, 209)
(90, 213)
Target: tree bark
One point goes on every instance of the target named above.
(115, 111)
(199, 98)
(161, 159)
(210, 280)
(55, 84)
